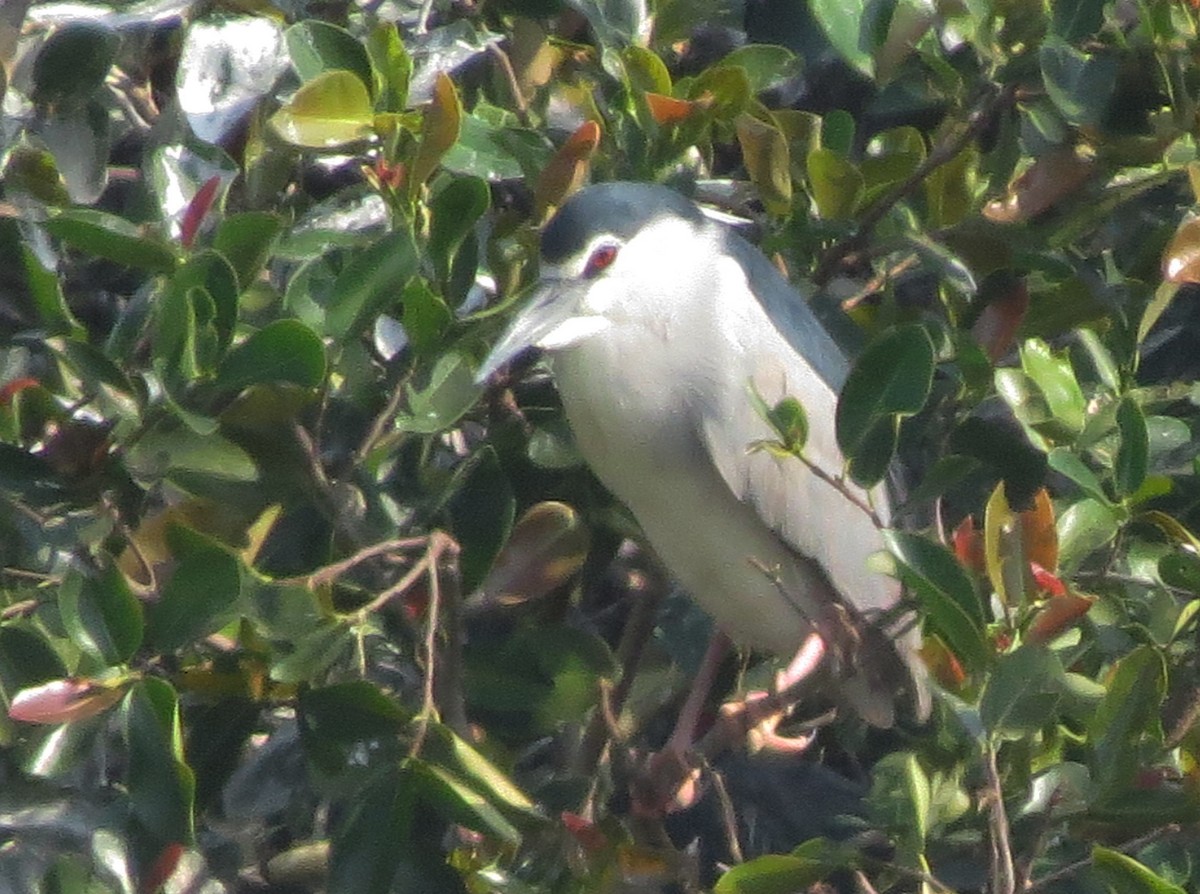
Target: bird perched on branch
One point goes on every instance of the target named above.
(661, 325)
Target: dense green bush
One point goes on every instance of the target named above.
(288, 602)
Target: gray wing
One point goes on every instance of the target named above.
(786, 351)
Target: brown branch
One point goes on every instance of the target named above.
(1003, 876)
(647, 589)
(939, 155)
(514, 85)
(381, 422)
(1129, 847)
(333, 571)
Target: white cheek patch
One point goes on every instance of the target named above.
(572, 330)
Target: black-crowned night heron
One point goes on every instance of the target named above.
(658, 322)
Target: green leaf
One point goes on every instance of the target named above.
(767, 158)
(460, 757)
(425, 316)
(1022, 693)
(369, 281)
(1130, 710)
(847, 25)
(460, 803)
(160, 785)
(74, 61)
(947, 595)
(455, 210)
(336, 719)
(1074, 20)
(1067, 463)
(889, 380)
(837, 185)
(773, 874)
(101, 614)
(901, 799)
(200, 595)
(170, 451)
(1133, 455)
(450, 392)
(113, 238)
(1079, 84)
(317, 47)
(1085, 526)
(1125, 875)
(482, 509)
(282, 351)
(764, 64)
(332, 111)
(393, 65)
(245, 241)
(1055, 377)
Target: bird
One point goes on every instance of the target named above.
(659, 324)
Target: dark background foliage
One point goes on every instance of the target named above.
(290, 603)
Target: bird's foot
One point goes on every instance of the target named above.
(671, 779)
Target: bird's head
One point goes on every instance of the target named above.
(613, 251)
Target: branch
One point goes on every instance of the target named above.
(941, 154)
(1003, 875)
(1129, 847)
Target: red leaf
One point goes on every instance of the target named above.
(1047, 581)
(60, 701)
(998, 324)
(197, 210)
(10, 389)
(584, 831)
(968, 545)
(1057, 615)
(668, 109)
(162, 868)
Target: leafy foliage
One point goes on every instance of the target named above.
(289, 602)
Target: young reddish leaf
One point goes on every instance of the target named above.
(943, 664)
(1039, 536)
(566, 169)
(1050, 179)
(439, 130)
(668, 110)
(10, 389)
(998, 324)
(1057, 615)
(584, 831)
(546, 548)
(161, 869)
(968, 545)
(1181, 260)
(61, 701)
(1047, 581)
(197, 210)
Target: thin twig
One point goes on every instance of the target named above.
(514, 85)
(450, 698)
(428, 706)
(939, 155)
(1129, 847)
(333, 571)
(916, 875)
(648, 590)
(379, 425)
(728, 815)
(1003, 877)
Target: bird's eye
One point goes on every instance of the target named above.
(600, 260)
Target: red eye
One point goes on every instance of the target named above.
(601, 259)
